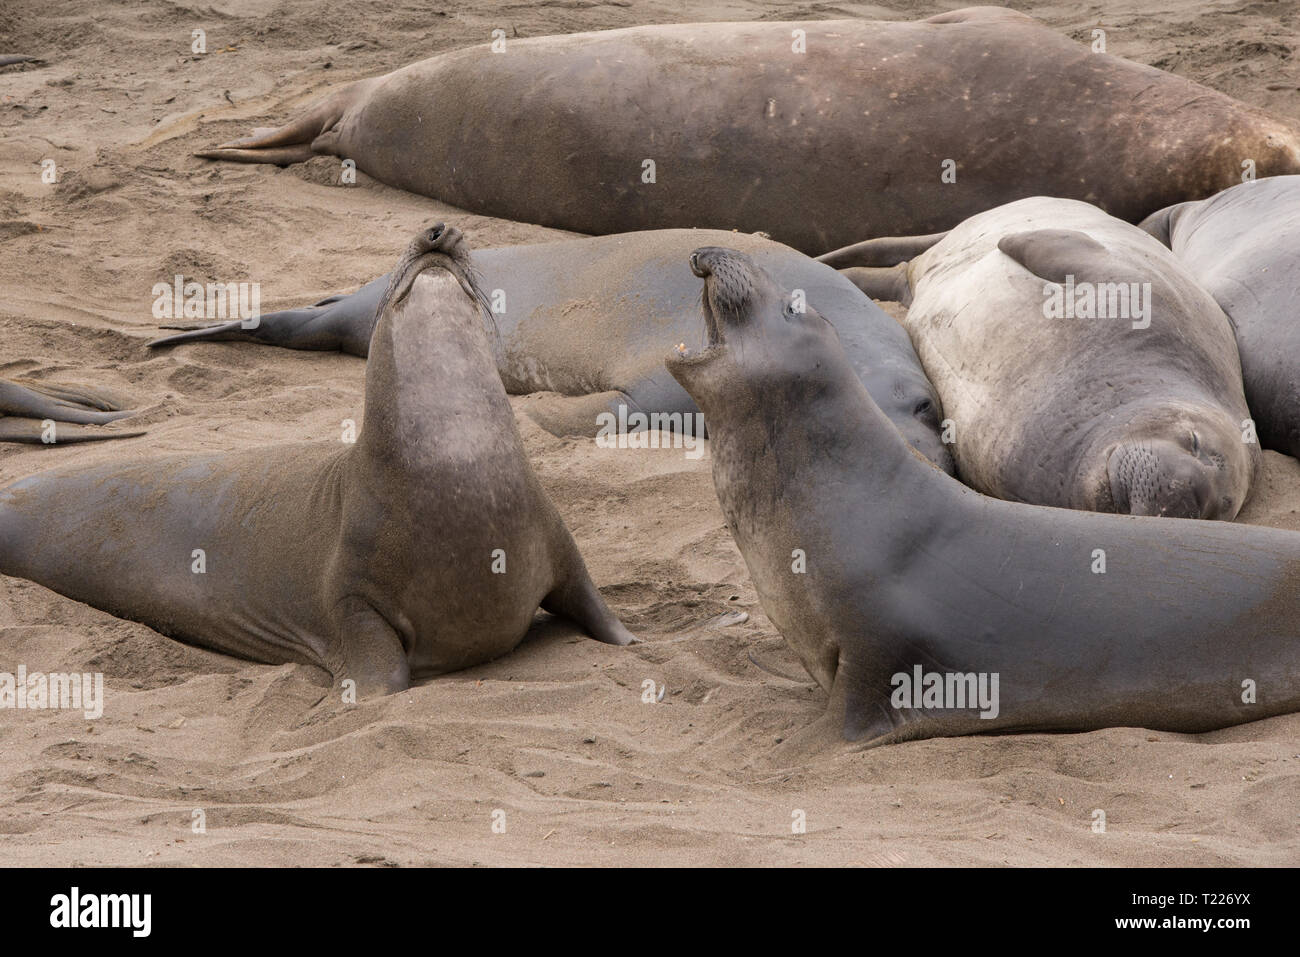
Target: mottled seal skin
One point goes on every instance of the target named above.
(1243, 247)
(373, 560)
(846, 140)
(27, 405)
(904, 566)
(1142, 415)
(586, 318)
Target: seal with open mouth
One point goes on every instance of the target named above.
(424, 547)
(875, 566)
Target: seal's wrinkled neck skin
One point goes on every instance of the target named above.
(435, 343)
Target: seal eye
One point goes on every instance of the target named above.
(924, 409)
(1196, 443)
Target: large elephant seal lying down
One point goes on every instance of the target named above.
(36, 413)
(1243, 247)
(586, 318)
(425, 547)
(1081, 365)
(819, 132)
(880, 570)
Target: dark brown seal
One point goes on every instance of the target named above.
(425, 547)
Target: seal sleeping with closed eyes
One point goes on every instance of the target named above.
(876, 567)
(819, 132)
(425, 547)
(35, 412)
(585, 318)
(1081, 365)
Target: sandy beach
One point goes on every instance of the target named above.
(555, 736)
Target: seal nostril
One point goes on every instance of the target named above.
(436, 231)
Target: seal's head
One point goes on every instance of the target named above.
(755, 333)
(760, 335)
(1179, 463)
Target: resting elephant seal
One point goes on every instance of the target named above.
(586, 318)
(819, 132)
(33, 412)
(1080, 364)
(880, 570)
(425, 547)
(1243, 247)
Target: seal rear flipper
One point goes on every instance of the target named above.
(339, 323)
(890, 284)
(885, 251)
(34, 432)
(294, 142)
(578, 600)
(368, 650)
(24, 398)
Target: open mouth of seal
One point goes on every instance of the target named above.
(702, 265)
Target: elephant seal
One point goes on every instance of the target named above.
(1080, 364)
(1243, 247)
(585, 318)
(819, 132)
(904, 579)
(31, 412)
(425, 547)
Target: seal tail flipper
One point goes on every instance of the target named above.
(26, 398)
(890, 284)
(577, 599)
(295, 141)
(34, 432)
(885, 251)
(339, 323)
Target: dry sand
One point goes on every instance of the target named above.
(555, 734)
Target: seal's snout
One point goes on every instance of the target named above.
(698, 266)
(1163, 479)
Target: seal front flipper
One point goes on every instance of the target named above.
(367, 650)
(884, 251)
(891, 284)
(1055, 254)
(578, 599)
(576, 414)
